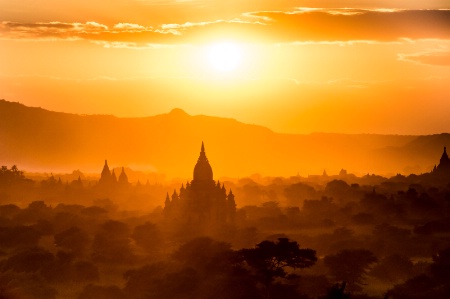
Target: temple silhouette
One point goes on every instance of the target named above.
(203, 205)
(109, 180)
(444, 164)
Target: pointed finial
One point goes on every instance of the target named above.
(203, 148)
(445, 149)
(106, 162)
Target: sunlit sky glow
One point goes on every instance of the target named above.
(297, 67)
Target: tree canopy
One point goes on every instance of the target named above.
(270, 259)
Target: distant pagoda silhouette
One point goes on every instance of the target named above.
(108, 179)
(444, 164)
(203, 205)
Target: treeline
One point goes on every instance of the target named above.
(73, 251)
(331, 239)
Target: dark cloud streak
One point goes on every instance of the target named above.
(272, 27)
(360, 25)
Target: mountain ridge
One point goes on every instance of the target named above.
(35, 138)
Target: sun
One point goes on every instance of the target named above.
(224, 57)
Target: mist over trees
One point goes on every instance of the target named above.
(325, 236)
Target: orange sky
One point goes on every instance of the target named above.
(383, 67)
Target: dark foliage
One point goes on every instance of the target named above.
(19, 237)
(434, 285)
(14, 285)
(337, 292)
(29, 260)
(270, 259)
(350, 266)
(393, 268)
(10, 176)
(101, 292)
(206, 255)
(148, 236)
(153, 281)
(112, 243)
(73, 239)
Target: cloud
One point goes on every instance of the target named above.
(50, 30)
(92, 31)
(358, 24)
(298, 26)
(135, 46)
(435, 58)
(130, 27)
(127, 33)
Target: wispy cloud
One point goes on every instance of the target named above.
(131, 27)
(41, 30)
(298, 26)
(435, 58)
(358, 24)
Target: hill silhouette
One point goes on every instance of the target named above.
(38, 139)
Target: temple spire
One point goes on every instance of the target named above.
(202, 152)
(203, 170)
(105, 177)
(444, 163)
(106, 167)
(123, 178)
(444, 158)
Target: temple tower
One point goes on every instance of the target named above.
(203, 205)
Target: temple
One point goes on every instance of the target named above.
(444, 164)
(109, 180)
(203, 204)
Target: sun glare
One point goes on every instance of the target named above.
(224, 56)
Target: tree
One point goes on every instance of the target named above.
(19, 237)
(101, 292)
(9, 211)
(297, 193)
(336, 187)
(440, 269)
(435, 284)
(10, 176)
(112, 243)
(37, 210)
(206, 255)
(154, 281)
(350, 266)
(73, 239)
(337, 292)
(21, 285)
(84, 271)
(270, 259)
(64, 269)
(145, 280)
(393, 268)
(148, 236)
(29, 260)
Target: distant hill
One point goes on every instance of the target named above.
(38, 139)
